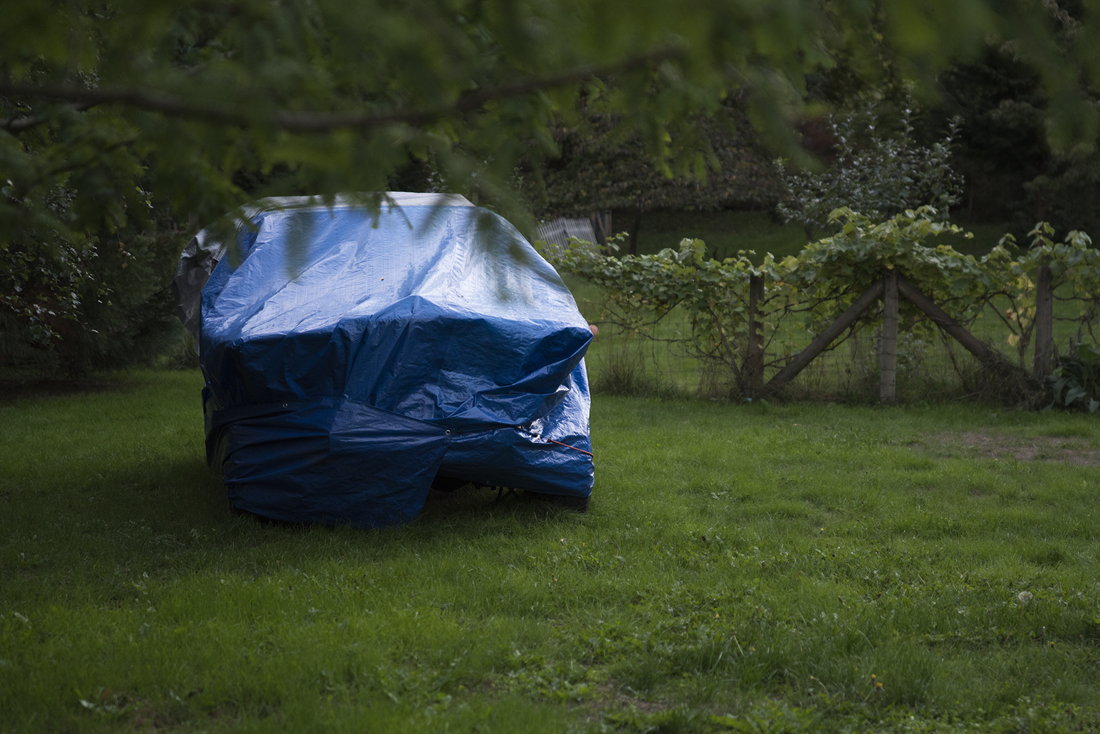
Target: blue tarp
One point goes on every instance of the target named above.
(351, 359)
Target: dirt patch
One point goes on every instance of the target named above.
(608, 698)
(973, 444)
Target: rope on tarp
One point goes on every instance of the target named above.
(559, 443)
(531, 435)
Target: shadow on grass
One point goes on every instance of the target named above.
(173, 519)
(14, 390)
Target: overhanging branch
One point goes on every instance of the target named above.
(316, 122)
(19, 124)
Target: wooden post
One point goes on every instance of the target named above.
(825, 338)
(888, 349)
(753, 371)
(1044, 321)
(990, 357)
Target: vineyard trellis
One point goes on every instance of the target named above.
(753, 321)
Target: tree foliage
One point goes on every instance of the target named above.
(874, 172)
(1015, 170)
(602, 166)
(114, 113)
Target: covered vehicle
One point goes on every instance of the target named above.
(351, 359)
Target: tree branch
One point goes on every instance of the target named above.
(316, 122)
(19, 124)
(726, 344)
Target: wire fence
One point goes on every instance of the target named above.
(656, 361)
(875, 304)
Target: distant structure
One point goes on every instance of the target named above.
(595, 229)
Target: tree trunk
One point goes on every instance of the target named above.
(888, 351)
(634, 230)
(601, 225)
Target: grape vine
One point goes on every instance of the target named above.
(803, 294)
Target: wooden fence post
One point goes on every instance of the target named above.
(753, 370)
(988, 356)
(888, 348)
(1044, 321)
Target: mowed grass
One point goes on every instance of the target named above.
(742, 568)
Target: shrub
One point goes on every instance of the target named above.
(874, 173)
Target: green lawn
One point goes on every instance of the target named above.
(739, 564)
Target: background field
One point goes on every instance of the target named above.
(754, 568)
(726, 232)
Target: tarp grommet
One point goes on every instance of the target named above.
(447, 432)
